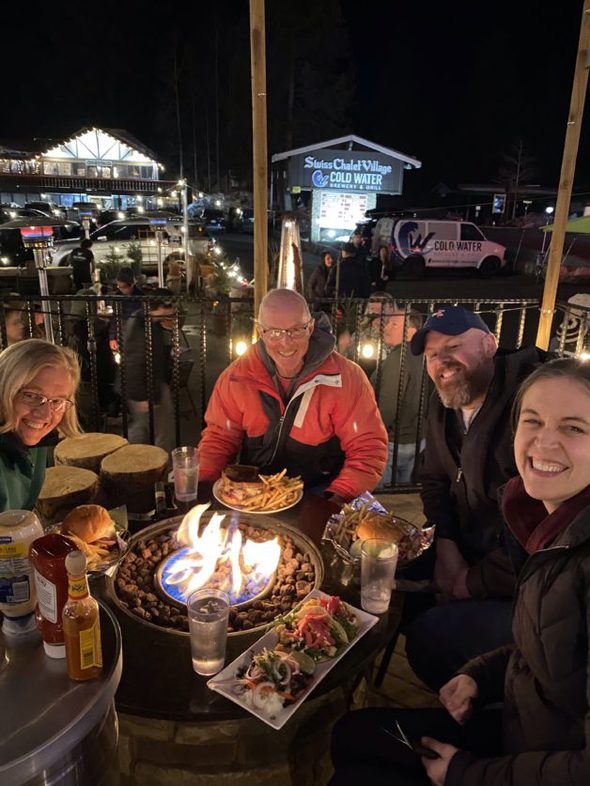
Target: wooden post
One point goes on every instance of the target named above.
(568, 168)
(259, 149)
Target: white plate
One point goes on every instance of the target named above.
(249, 510)
(225, 682)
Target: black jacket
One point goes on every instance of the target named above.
(459, 492)
(82, 262)
(354, 279)
(316, 284)
(543, 677)
(135, 358)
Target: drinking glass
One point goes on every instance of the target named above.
(185, 464)
(378, 564)
(208, 612)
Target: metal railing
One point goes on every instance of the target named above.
(206, 335)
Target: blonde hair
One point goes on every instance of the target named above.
(20, 364)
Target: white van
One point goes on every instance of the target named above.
(417, 244)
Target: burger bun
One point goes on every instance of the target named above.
(378, 526)
(87, 522)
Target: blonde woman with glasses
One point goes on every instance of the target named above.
(38, 384)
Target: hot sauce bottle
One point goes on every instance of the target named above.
(81, 623)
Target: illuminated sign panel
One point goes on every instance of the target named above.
(346, 170)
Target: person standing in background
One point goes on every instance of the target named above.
(316, 284)
(82, 262)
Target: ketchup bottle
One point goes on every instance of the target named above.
(48, 556)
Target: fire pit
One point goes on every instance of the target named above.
(264, 565)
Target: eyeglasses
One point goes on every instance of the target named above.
(35, 400)
(276, 334)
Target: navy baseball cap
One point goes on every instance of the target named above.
(452, 321)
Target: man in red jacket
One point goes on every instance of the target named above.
(292, 401)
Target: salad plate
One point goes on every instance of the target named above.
(230, 681)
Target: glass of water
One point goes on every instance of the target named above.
(185, 465)
(208, 612)
(378, 564)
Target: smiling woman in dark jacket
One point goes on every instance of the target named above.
(543, 737)
(316, 285)
(38, 383)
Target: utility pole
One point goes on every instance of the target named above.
(259, 149)
(178, 123)
(217, 107)
(566, 180)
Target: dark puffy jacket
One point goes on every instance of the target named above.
(459, 493)
(354, 279)
(543, 676)
(316, 284)
(135, 358)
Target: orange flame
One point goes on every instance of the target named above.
(251, 563)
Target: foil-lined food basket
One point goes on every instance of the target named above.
(339, 537)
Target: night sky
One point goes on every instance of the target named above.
(453, 84)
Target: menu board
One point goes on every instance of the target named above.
(339, 210)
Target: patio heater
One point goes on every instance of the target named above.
(158, 225)
(290, 271)
(40, 239)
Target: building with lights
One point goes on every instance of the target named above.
(338, 181)
(106, 166)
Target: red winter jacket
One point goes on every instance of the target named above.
(330, 429)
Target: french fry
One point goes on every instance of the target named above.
(277, 491)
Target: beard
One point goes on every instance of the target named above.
(467, 386)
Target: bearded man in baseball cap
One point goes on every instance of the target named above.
(468, 456)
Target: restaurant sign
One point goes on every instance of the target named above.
(346, 170)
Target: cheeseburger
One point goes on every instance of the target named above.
(238, 483)
(89, 523)
(379, 526)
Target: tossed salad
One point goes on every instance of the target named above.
(320, 628)
(274, 679)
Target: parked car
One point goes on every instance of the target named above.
(417, 244)
(106, 216)
(111, 243)
(49, 208)
(9, 213)
(12, 250)
(214, 220)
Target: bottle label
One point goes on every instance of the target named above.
(77, 587)
(46, 597)
(11, 550)
(14, 589)
(90, 649)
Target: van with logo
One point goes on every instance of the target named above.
(417, 244)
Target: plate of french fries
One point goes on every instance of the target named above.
(269, 494)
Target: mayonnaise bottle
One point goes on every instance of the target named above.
(18, 529)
